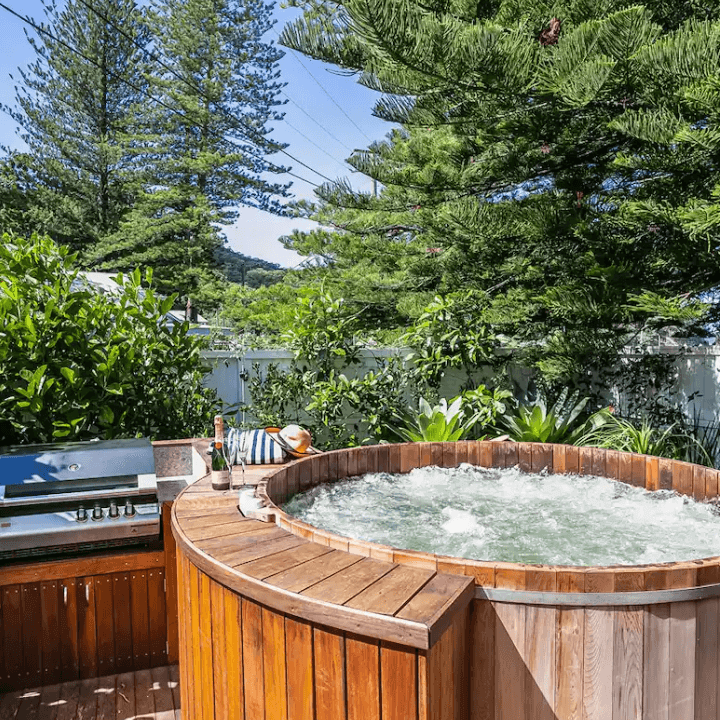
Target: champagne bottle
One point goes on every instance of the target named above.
(220, 476)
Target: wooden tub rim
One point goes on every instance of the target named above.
(339, 617)
(696, 573)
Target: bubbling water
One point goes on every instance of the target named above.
(513, 516)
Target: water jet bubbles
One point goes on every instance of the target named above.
(460, 521)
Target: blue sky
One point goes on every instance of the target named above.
(318, 98)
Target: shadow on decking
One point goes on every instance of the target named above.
(141, 695)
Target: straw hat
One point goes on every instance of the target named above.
(296, 441)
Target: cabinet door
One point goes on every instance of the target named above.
(87, 627)
(56, 630)
(12, 670)
(68, 630)
(50, 602)
(104, 619)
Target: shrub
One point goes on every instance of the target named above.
(644, 438)
(318, 390)
(76, 364)
(562, 422)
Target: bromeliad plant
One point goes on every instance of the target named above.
(559, 423)
(439, 423)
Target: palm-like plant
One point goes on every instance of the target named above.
(439, 423)
(671, 442)
(557, 424)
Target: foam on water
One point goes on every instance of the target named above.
(507, 515)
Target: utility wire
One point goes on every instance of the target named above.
(319, 84)
(145, 93)
(302, 110)
(79, 53)
(312, 142)
(198, 90)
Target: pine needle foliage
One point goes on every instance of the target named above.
(75, 107)
(561, 163)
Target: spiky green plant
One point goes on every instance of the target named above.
(672, 442)
(559, 423)
(439, 423)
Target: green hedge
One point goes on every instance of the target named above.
(76, 364)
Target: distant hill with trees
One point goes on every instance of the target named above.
(245, 270)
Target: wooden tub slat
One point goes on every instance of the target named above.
(569, 657)
(656, 634)
(274, 664)
(329, 661)
(398, 668)
(252, 651)
(284, 560)
(299, 654)
(706, 659)
(627, 698)
(539, 651)
(349, 582)
(314, 571)
(362, 658)
(389, 593)
(510, 669)
(598, 663)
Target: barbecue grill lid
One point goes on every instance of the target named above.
(75, 461)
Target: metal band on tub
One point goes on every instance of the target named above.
(649, 597)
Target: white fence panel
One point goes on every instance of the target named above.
(698, 374)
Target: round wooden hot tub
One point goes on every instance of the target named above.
(279, 619)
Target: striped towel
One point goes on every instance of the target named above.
(256, 447)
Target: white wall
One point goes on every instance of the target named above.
(698, 369)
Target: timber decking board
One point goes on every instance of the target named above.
(351, 581)
(147, 694)
(434, 597)
(314, 571)
(284, 560)
(215, 531)
(391, 592)
(202, 521)
(262, 550)
(269, 532)
(227, 554)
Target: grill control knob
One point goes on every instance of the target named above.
(81, 514)
(113, 511)
(129, 509)
(97, 513)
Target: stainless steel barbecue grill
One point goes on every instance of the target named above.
(74, 497)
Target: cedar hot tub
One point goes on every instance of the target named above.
(280, 619)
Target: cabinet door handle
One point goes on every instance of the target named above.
(87, 592)
(64, 594)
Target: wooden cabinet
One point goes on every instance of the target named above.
(84, 618)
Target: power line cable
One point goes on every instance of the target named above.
(145, 93)
(302, 110)
(198, 90)
(312, 142)
(319, 84)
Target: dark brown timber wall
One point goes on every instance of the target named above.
(283, 620)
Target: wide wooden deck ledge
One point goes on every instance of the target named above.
(310, 580)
